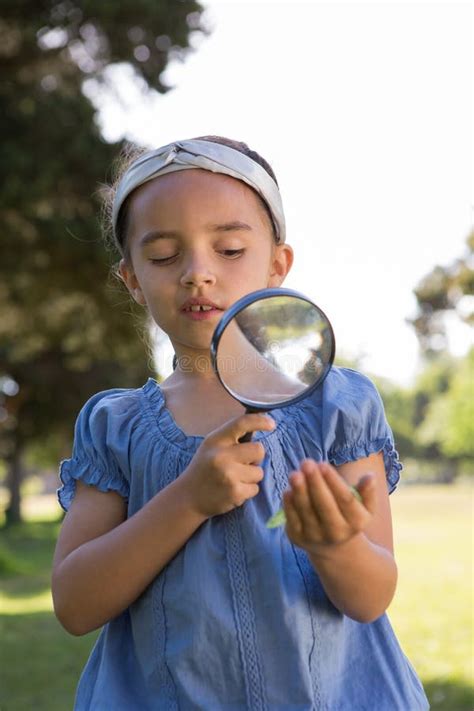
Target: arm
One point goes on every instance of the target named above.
(349, 543)
(104, 561)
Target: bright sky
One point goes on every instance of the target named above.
(365, 112)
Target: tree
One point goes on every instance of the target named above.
(440, 292)
(64, 332)
(399, 405)
(444, 411)
(449, 419)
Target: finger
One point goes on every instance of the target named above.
(249, 453)
(293, 521)
(321, 497)
(250, 474)
(246, 491)
(301, 500)
(231, 431)
(352, 510)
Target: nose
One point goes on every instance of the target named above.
(197, 273)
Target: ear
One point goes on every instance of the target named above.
(282, 260)
(130, 280)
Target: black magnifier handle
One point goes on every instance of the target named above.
(265, 322)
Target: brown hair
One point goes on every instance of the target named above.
(118, 239)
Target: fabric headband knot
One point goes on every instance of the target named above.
(218, 158)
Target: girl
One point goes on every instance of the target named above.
(165, 544)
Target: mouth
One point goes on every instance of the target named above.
(197, 304)
(195, 308)
(199, 309)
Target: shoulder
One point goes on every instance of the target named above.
(345, 391)
(352, 404)
(346, 388)
(347, 411)
(349, 381)
(108, 416)
(109, 403)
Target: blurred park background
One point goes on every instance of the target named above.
(67, 330)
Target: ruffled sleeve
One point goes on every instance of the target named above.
(93, 460)
(351, 419)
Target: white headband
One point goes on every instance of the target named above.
(208, 155)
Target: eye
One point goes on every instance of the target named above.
(163, 260)
(232, 253)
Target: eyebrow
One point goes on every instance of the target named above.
(154, 235)
(230, 226)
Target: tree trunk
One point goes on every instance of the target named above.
(14, 478)
(450, 471)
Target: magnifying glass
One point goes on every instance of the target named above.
(272, 348)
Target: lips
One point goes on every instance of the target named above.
(198, 304)
(202, 307)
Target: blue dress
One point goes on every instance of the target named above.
(238, 619)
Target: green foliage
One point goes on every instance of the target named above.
(442, 291)
(449, 419)
(399, 403)
(433, 420)
(432, 382)
(443, 395)
(443, 419)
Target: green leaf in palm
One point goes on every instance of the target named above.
(279, 519)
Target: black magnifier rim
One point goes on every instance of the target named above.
(255, 405)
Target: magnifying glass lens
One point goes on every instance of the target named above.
(274, 349)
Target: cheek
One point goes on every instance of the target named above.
(263, 263)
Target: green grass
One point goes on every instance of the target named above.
(432, 613)
(433, 609)
(39, 662)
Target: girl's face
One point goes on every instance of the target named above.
(196, 236)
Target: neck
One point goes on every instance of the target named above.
(197, 367)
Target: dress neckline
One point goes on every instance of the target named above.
(164, 420)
